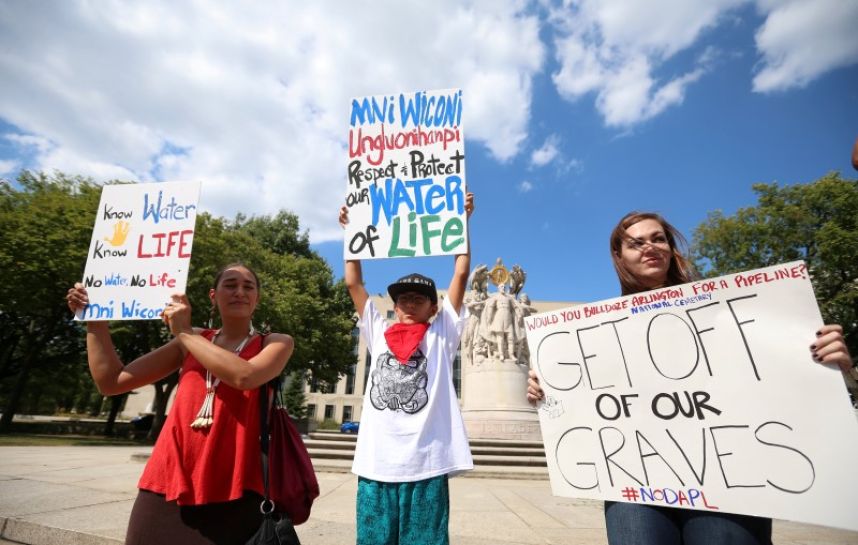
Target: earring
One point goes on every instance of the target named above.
(210, 323)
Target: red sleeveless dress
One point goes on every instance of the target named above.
(217, 464)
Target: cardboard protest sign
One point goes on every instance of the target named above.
(140, 249)
(406, 176)
(701, 396)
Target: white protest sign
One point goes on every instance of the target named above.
(701, 396)
(406, 176)
(140, 249)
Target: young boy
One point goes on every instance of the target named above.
(412, 436)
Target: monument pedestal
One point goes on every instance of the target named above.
(494, 358)
(495, 402)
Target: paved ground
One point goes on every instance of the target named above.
(83, 496)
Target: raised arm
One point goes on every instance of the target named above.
(354, 273)
(111, 377)
(354, 283)
(461, 265)
(855, 155)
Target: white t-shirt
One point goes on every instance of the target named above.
(411, 427)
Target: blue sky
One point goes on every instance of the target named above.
(575, 112)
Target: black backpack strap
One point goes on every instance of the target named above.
(264, 432)
(265, 402)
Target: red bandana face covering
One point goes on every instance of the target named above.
(402, 339)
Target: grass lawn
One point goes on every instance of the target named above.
(25, 440)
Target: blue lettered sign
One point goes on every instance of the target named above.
(406, 176)
(140, 249)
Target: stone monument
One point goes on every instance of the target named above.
(495, 358)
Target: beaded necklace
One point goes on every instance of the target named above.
(205, 416)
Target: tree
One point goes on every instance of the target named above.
(816, 222)
(293, 395)
(46, 229)
(281, 234)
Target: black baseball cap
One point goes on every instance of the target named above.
(414, 282)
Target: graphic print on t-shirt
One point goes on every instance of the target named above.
(398, 386)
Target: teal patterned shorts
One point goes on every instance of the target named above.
(415, 513)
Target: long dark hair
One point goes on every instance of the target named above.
(681, 270)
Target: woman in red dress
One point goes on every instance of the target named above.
(203, 483)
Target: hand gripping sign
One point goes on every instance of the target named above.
(140, 249)
(406, 176)
(699, 396)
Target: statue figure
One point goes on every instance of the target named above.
(517, 277)
(480, 351)
(475, 300)
(499, 326)
(522, 311)
(480, 279)
(495, 328)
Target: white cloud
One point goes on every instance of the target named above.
(8, 166)
(251, 96)
(546, 153)
(62, 159)
(550, 153)
(613, 47)
(802, 39)
(572, 165)
(24, 141)
(525, 186)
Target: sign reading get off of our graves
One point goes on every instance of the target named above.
(699, 396)
(406, 176)
(140, 249)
